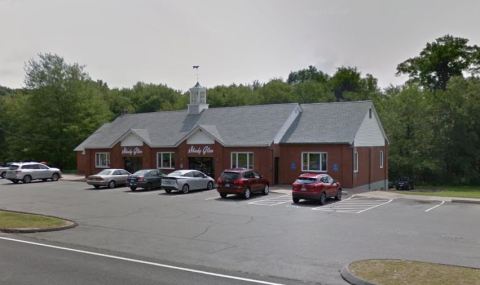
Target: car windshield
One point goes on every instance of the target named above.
(230, 175)
(105, 172)
(305, 180)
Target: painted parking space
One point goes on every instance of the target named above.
(273, 201)
(355, 205)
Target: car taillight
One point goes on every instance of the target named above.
(238, 182)
(17, 171)
(219, 181)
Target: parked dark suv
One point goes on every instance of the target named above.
(404, 183)
(241, 181)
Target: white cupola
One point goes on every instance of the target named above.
(198, 99)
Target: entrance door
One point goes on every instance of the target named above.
(203, 164)
(133, 164)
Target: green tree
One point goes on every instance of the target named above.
(276, 91)
(346, 79)
(448, 56)
(63, 107)
(308, 74)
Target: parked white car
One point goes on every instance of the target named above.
(28, 171)
(186, 180)
(3, 169)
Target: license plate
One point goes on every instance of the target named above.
(227, 185)
(303, 188)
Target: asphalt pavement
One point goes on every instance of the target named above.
(265, 237)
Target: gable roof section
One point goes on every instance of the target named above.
(210, 130)
(255, 125)
(324, 123)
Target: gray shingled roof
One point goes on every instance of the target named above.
(235, 126)
(327, 122)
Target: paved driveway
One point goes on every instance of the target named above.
(265, 236)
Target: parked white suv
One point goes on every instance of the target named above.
(28, 171)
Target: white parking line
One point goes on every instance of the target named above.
(354, 206)
(143, 262)
(375, 206)
(272, 201)
(436, 206)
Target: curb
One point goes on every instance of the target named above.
(465, 201)
(70, 224)
(348, 276)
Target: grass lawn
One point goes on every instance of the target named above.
(446, 191)
(403, 272)
(12, 220)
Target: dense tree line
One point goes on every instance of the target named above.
(432, 121)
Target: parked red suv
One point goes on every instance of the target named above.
(315, 186)
(241, 181)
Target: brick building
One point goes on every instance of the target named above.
(345, 139)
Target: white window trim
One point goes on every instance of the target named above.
(355, 161)
(97, 164)
(160, 161)
(236, 153)
(381, 159)
(308, 160)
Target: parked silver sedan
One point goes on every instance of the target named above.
(110, 178)
(186, 180)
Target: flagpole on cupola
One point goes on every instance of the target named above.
(195, 68)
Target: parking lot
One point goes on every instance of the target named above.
(265, 235)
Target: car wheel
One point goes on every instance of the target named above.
(3, 174)
(338, 197)
(15, 181)
(210, 185)
(27, 179)
(96, 186)
(55, 177)
(133, 188)
(223, 195)
(323, 198)
(247, 193)
(168, 191)
(295, 200)
(266, 190)
(111, 184)
(185, 189)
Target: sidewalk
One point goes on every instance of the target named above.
(73, 177)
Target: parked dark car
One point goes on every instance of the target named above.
(404, 183)
(241, 181)
(315, 186)
(145, 178)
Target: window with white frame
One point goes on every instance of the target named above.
(381, 159)
(166, 160)
(102, 160)
(242, 160)
(314, 161)
(355, 161)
